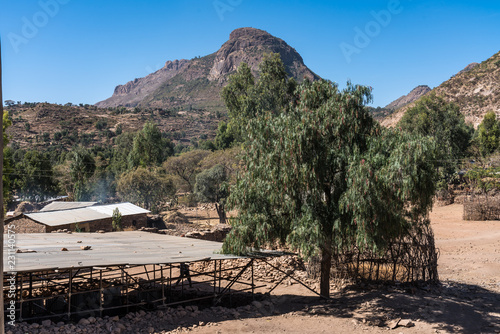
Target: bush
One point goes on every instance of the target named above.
(189, 200)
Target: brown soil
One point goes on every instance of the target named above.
(466, 301)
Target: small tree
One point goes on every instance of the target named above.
(186, 166)
(149, 148)
(211, 186)
(145, 188)
(489, 134)
(116, 220)
(434, 116)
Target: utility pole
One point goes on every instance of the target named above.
(2, 321)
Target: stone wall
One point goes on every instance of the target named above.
(22, 224)
(135, 221)
(128, 222)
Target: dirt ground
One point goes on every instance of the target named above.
(466, 301)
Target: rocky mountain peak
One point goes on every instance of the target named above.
(247, 33)
(249, 45)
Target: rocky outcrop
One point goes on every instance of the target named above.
(133, 92)
(249, 45)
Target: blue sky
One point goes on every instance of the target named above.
(78, 50)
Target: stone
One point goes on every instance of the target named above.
(91, 320)
(46, 323)
(394, 323)
(406, 323)
(115, 318)
(84, 322)
(64, 249)
(85, 247)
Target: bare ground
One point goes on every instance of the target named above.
(466, 301)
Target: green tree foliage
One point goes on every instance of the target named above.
(82, 165)
(488, 134)
(229, 158)
(185, 167)
(224, 137)
(148, 189)
(211, 186)
(116, 220)
(433, 116)
(149, 147)
(245, 97)
(82, 168)
(321, 174)
(36, 181)
(123, 146)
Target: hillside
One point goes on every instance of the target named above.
(197, 83)
(476, 90)
(381, 113)
(44, 125)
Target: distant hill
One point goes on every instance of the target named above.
(415, 94)
(475, 89)
(197, 83)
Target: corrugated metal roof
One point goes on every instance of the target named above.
(126, 209)
(55, 206)
(63, 217)
(108, 249)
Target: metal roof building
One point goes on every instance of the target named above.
(84, 214)
(78, 216)
(42, 251)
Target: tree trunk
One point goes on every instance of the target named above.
(326, 265)
(221, 212)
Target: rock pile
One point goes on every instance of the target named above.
(168, 320)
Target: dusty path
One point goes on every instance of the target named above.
(469, 251)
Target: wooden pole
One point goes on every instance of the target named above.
(2, 324)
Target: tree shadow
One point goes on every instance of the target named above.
(451, 307)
